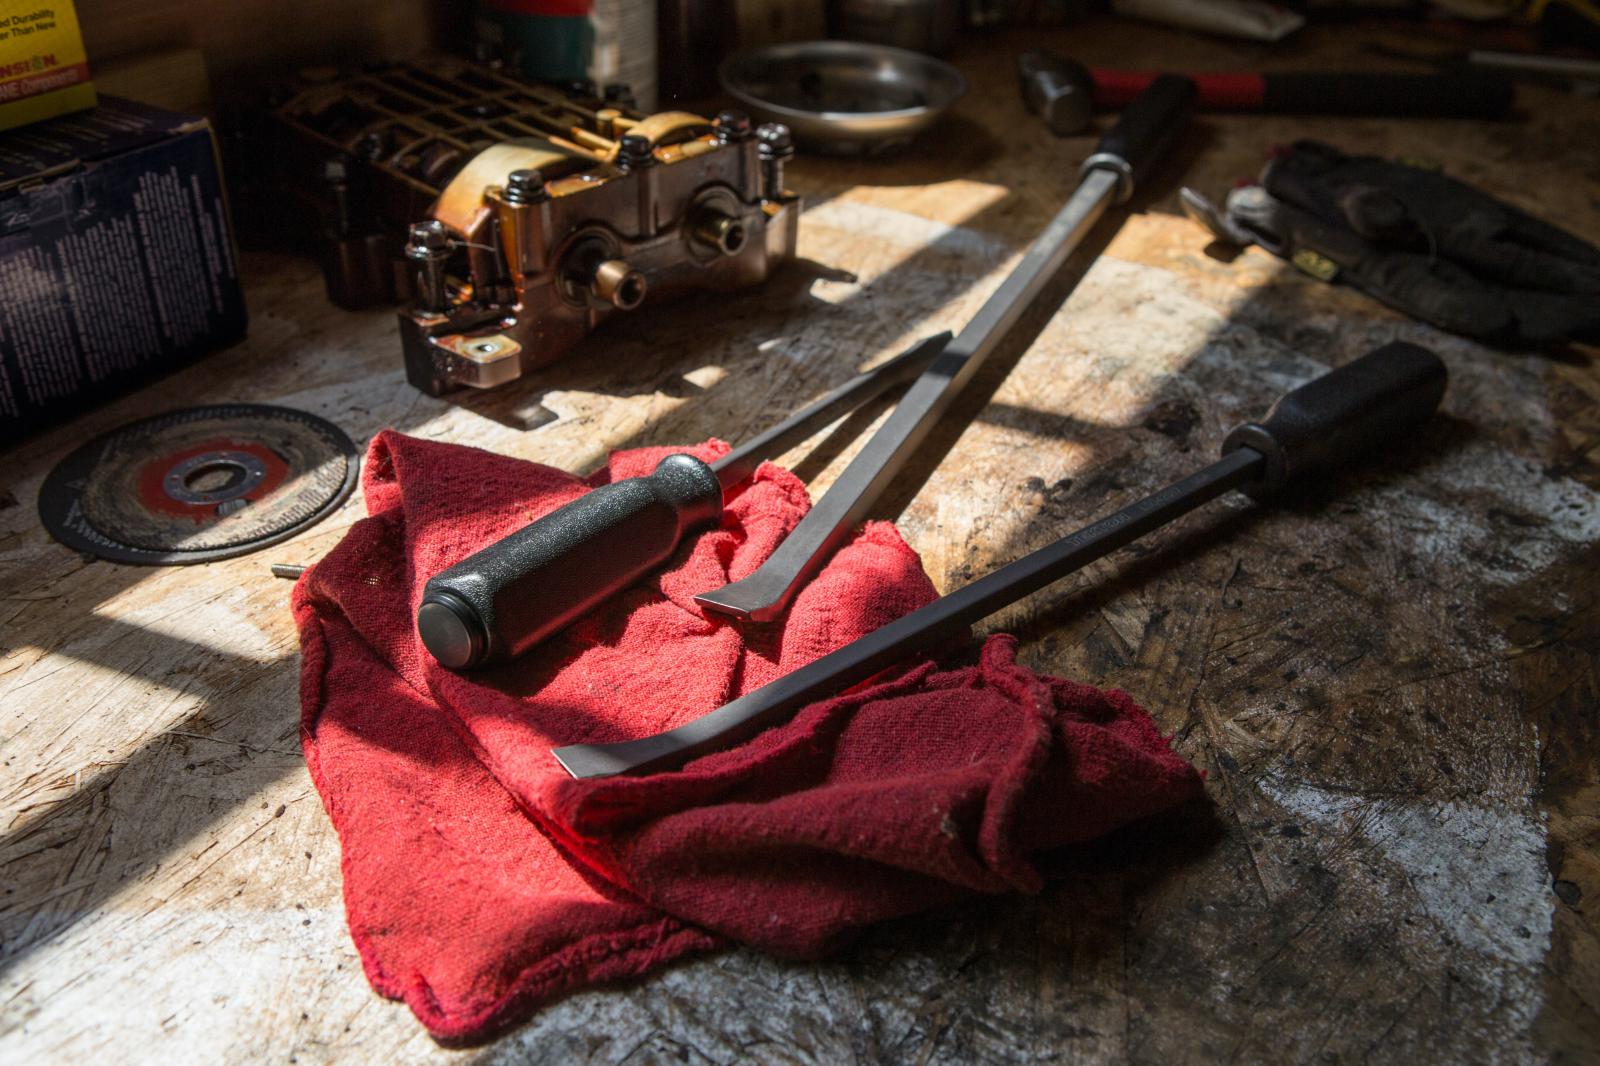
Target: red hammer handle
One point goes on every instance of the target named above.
(1463, 94)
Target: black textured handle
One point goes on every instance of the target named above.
(1147, 128)
(1378, 399)
(1058, 90)
(511, 595)
(1462, 94)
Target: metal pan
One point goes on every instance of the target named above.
(843, 97)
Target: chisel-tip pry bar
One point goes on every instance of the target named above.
(1124, 156)
(1318, 428)
(511, 595)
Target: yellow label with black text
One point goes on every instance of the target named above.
(44, 70)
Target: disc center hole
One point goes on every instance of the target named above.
(219, 475)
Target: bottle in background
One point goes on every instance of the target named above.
(696, 36)
(608, 42)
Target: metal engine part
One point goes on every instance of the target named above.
(535, 214)
(537, 241)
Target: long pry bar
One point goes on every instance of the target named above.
(882, 648)
(1309, 434)
(764, 594)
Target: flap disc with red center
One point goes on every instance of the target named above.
(199, 484)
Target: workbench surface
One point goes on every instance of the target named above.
(1391, 686)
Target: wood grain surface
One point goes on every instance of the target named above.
(1391, 684)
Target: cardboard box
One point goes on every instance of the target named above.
(44, 71)
(117, 262)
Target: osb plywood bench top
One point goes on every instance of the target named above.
(1391, 686)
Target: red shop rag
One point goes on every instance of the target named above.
(480, 880)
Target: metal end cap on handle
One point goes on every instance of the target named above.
(451, 631)
(1114, 164)
(1370, 403)
(1274, 469)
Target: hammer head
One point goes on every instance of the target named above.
(1058, 90)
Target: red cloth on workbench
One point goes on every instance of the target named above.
(480, 879)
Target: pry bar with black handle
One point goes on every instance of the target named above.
(1065, 93)
(1315, 430)
(519, 590)
(1121, 161)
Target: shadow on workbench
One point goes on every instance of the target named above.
(963, 147)
(798, 326)
(976, 401)
(263, 734)
(654, 364)
(227, 734)
(44, 898)
(231, 730)
(1090, 890)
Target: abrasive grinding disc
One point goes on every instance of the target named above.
(198, 484)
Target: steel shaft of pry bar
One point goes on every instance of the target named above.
(764, 594)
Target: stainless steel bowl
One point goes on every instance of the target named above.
(843, 97)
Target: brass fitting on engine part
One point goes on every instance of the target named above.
(618, 284)
(718, 232)
(592, 274)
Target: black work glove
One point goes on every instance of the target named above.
(1425, 244)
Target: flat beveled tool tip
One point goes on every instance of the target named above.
(584, 761)
(733, 600)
